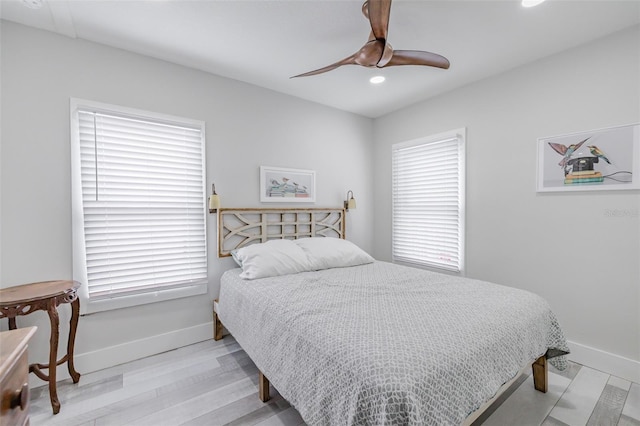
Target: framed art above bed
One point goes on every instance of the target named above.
(282, 185)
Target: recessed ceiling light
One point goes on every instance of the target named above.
(32, 4)
(377, 79)
(531, 3)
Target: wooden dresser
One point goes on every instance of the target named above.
(14, 376)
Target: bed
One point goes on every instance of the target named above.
(350, 340)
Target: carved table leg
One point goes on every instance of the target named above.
(73, 326)
(53, 356)
(12, 323)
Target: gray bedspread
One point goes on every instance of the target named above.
(386, 344)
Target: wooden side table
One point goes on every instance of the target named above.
(45, 296)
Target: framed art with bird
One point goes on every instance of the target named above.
(284, 185)
(604, 159)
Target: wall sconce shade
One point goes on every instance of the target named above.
(214, 200)
(350, 203)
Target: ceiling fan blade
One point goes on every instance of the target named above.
(379, 11)
(372, 37)
(351, 60)
(377, 52)
(418, 57)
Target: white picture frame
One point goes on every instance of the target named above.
(570, 162)
(285, 185)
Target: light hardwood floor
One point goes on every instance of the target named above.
(215, 383)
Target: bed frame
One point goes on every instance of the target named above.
(241, 227)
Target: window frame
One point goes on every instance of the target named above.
(80, 272)
(460, 135)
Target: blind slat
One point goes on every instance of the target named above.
(143, 204)
(427, 203)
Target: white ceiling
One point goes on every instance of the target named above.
(265, 42)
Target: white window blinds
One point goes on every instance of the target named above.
(428, 201)
(143, 203)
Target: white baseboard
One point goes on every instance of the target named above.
(613, 364)
(114, 355)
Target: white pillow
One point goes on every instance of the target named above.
(270, 259)
(329, 252)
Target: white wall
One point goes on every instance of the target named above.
(246, 127)
(518, 237)
(514, 235)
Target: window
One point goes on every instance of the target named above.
(138, 206)
(428, 201)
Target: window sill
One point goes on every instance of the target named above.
(88, 306)
(430, 267)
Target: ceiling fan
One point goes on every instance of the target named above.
(377, 52)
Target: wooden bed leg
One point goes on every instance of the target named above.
(540, 374)
(263, 385)
(217, 324)
(217, 327)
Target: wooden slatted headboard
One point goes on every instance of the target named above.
(240, 227)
